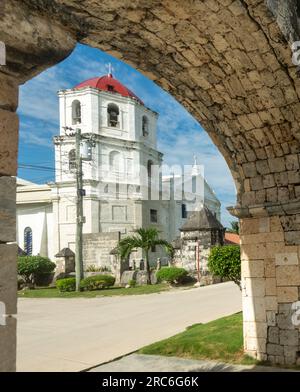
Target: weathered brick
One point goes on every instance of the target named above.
(7, 209)
(9, 128)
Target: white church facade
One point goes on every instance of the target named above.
(120, 165)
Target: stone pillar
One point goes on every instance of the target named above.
(271, 287)
(8, 251)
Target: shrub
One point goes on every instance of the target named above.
(171, 274)
(31, 267)
(225, 261)
(94, 268)
(97, 282)
(67, 284)
(132, 283)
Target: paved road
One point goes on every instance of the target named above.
(74, 334)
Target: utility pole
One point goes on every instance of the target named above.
(79, 211)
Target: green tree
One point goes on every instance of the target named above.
(225, 261)
(235, 228)
(143, 239)
(30, 267)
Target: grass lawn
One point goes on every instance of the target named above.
(55, 293)
(220, 340)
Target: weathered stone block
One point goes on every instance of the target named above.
(271, 303)
(269, 268)
(9, 128)
(8, 277)
(289, 337)
(253, 268)
(288, 275)
(273, 335)
(258, 344)
(7, 209)
(8, 345)
(271, 318)
(271, 286)
(292, 237)
(274, 349)
(286, 258)
(290, 354)
(292, 162)
(8, 93)
(254, 309)
(276, 165)
(255, 329)
(287, 294)
(254, 287)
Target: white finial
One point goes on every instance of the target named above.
(110, 69)
(196, 168)
(195, 159)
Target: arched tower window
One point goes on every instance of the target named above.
(28, 241)
(113, 115)
(76, 112)
(115, 161)
(72, 160)
(145, 126)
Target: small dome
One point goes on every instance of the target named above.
(110, 84)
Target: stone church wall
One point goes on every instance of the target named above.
(97, 247)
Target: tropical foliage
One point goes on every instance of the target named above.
(144, 239)
(225, 261)
(171, 275)
(31, 267)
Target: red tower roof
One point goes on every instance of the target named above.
(110, 84)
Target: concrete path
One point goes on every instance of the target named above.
(74, 334)
(157, 363)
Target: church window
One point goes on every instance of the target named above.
(183, 211)
(72, 160)
(153, 216)
(153, 248)
(145, 126)
(76, 112)
(28, 241)
(106, 188)
(113, 115)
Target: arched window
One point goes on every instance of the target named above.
(72, 160)
(28, 241)
(76, 112)
(113, 115)
(115, 161)
(145, 126)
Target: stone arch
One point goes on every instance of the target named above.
(229, 63)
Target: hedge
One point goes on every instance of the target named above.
(66, 284)
(97, 282)
(171, 275)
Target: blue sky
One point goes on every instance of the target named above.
(179, 134)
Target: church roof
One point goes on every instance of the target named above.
(110, 84)
(201, 220)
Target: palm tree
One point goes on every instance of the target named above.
(234, 227)
(144, 239)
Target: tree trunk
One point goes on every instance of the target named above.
(148, 268)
